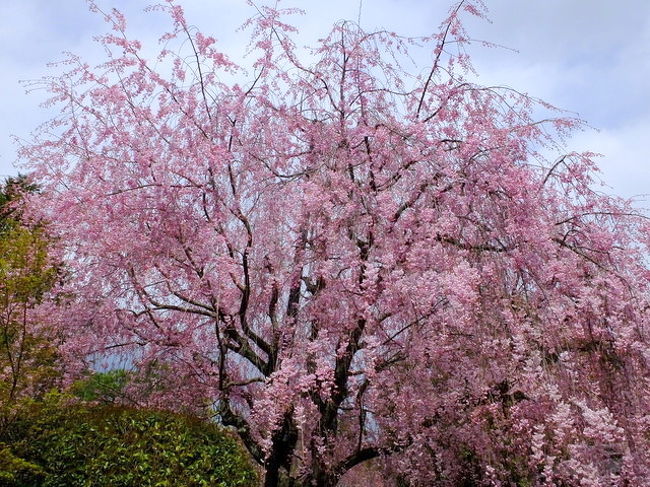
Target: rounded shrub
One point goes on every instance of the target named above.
(109, 446)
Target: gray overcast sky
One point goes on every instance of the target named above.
(588, 56)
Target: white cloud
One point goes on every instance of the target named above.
(624, 165)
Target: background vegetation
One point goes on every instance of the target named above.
(61, 443)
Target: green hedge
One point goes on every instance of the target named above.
(59, 444)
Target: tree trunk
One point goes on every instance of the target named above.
(284, 442)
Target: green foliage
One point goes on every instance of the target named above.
(25, 270)
(26, 273)
(10, 195)
(102, 387)
(28, 357)
(16, 472)
(110, 446)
